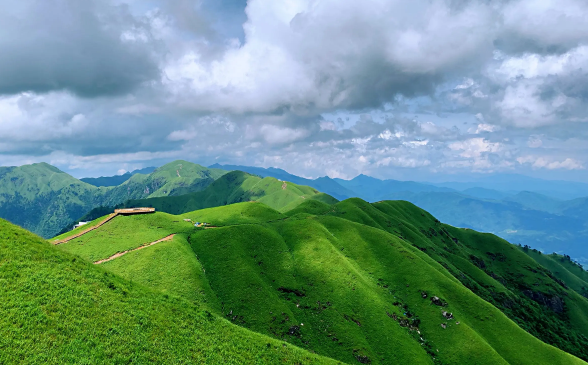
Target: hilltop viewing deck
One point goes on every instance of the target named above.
(134, 211)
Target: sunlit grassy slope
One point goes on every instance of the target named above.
(235, 187)
(356, 282)
(124, 233)
(58, 309)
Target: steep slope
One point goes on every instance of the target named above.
(563, 268)
(491, 267)
(43, 199)
(58, 309)
(234, 187)
(343, 283)
(539, 229)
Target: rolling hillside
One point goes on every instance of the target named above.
(357, 282)
(57, 309)
(45, 200)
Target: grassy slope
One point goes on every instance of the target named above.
(124, 233)
(346, 288)
(57, 309)
(491, 267)
(333, 276)
(170, 267)
(73, 232)
(572, 274)
(235, 187)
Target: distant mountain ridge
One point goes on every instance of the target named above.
(524, 216)
(117, 179)
(236, 187)
(44, 199)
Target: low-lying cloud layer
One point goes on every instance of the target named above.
(390, 88)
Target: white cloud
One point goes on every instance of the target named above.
(282, 135)
(550, 164)
(534, 142)
(474, 147)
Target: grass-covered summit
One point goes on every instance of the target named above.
(59, 309)
(377, 283)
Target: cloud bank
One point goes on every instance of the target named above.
(391, 88)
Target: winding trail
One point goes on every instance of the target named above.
(110, 216)
(117, 255)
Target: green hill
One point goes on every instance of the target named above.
(235, 187)
(175, 178)
(58, 309)
(357, 282)
(45, 200)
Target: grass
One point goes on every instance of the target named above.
(333, 276)
(169, 267)
(239, 213)
(125, 233)
(347, 280)
(58, 309)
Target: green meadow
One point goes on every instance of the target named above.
(355, 282)
(57, 308)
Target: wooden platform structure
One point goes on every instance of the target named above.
(129, 211)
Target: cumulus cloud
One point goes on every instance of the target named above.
(343, 87)
(90, 48)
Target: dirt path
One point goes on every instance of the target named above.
(110, 216)
(117, 255)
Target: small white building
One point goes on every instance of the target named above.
(80, 224)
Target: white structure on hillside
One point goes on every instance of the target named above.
(79, 225)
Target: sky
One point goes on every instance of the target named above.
(423, 90)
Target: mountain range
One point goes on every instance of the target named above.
(47, 201)
(44, 199)
(347, 281)
(523, 216)
(282, 272)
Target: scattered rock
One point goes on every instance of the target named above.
(363, 359)
(554, 303)
(296, 292)
(435, 300)
(447, 315)
(478, 262)
(443, 325)
(456, 322)
(294, 331)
